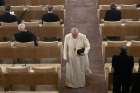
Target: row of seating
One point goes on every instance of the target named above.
(121, 6)
(127, 27)
(126, 14)
(27, 50)
(121, 43)
(113, 48)
(29, 68)
(37, 74)
(43, 32)
(124, 29)
(34, 2)
(107, 2)
(45, 74)
(31, 13)
(29, 92)
(29, 7)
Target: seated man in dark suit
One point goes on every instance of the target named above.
(122, 70)
(2, 2)
(138, 6)
(113, 14)
(25, 36)
(50, 16)
(8, 16)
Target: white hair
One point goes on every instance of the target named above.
(21, 26)
(74, 30)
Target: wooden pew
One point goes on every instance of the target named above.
(121, 29)
(26, 75)
(31, 92)
(41, 31)
(47, 2)
(113, 48)
(107, 7)
(32, 77)
(133, 50)
(15, 2)
(30, 13)
(26, 51)
(126, 14)
(34, 2)
(36, 12)
(16, 76)
(129, 2)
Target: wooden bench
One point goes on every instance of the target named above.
(31, 92)
(128, 28)
(41, 31)
(36, 76)
(126, 14)
(34, 12)
(107, 2)
(47, 50)
(34, 2)
(114, 48)
(26, 75)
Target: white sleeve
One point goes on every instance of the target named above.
(65, 49)
(87, 45)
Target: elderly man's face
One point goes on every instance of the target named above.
(21, 27)
(75, 33)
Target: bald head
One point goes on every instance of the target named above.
(75, 32)
(50, 8)
(124, 50)
(21, 27)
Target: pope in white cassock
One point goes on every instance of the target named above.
(77, 66)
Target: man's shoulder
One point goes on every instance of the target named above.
(108, 11)
(45, 15)
(67, 35)
(115, 56)
(131, 57)
(113, 11)
(82, 35)
(28, 32)
(17, 33)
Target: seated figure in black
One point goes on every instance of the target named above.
(113, 14)
(138, 6)
(8, 16)
(25, 36)
(50, 16)
(2, 2)
(122, 65)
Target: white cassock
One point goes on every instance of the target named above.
(77, 66)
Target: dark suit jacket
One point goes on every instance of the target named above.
(2, 2)
(112, 15)
(7, 17)
(122, 65)
(50, 17)
(136, 83)
(25, 37)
